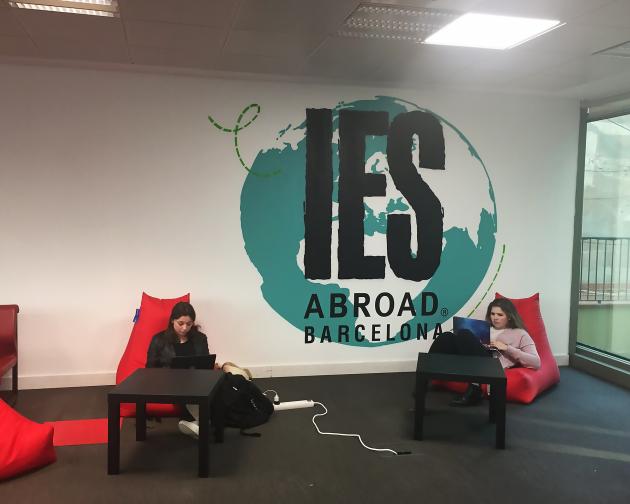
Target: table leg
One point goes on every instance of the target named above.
(422, 383)
(141, 421)
(492, 417)
(500, 415)
(113, 436)
(204, 438)
(218, 434)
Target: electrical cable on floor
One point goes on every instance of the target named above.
(276, 398)
(351, 435)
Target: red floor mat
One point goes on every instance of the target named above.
(80, 432)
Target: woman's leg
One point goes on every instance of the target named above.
(460, 343)
(469, 344)
(193, 409)
(191, 428)
(444, 344)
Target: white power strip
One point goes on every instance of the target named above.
(287, 405)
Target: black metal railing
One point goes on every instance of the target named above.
(604, 269)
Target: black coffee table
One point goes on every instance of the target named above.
(462, 368)
(165, 386)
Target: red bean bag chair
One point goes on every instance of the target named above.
(523, 384)
(24, 445)
(153, 318)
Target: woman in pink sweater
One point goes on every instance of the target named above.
(508, 340)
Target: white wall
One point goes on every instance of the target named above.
(113, 183)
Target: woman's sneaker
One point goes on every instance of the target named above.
(471, 397)
(189, 428)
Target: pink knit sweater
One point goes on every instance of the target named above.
(521, 350)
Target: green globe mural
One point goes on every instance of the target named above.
(272, 223)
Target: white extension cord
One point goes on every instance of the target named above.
(288, 405)
(352, 435)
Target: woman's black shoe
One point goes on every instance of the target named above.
(472, 396)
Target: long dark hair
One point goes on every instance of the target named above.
(507, 307)
(181, 309)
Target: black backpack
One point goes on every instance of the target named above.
(239, 403)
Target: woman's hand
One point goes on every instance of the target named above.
(499, 345)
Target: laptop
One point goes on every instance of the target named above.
(194, 361)
(479, 328)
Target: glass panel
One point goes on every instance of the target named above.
(604, 306)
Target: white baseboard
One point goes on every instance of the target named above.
(280, 370)
(562, 359)
(341, 368)
(406, 366)
(60, 381)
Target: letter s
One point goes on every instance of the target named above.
(424, 202)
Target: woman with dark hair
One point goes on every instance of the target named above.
(508, 338)
(180, 338)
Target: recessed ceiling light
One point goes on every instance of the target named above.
(107, 8)
(93, 2)
(490, 31)
(411, 24)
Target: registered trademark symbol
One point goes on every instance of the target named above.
(444, 312)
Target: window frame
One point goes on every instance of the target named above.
(590, 360)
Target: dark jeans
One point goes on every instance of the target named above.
(460, 343)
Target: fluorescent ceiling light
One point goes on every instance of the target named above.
(491, 32)
(107, 8)
(94, 2)
(411, 24)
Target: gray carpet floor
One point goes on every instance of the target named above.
(571, 445)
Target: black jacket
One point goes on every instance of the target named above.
(161, 350)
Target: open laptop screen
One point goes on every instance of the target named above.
(194, 361)
(479, 328)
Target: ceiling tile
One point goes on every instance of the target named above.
(562, 10)
(215, 13)
(578, 71)
(593, 67)
(70, 27)
(603, 88)
(64, 49)
(172, 57)
(548, 83)
(291, 16)
(432, 64)
(176, 36)
(272, 43)
(504, 66)
(577, 39)
(249, 63)
(8, 24)
(347, 58)
(298, 37)
(17, 46)
(616, 14)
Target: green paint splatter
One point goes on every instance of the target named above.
(238, 127)
(491, 283)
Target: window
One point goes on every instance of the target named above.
(601, 320)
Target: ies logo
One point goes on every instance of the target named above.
(377, 225)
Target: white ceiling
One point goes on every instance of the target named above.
(296, 38)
